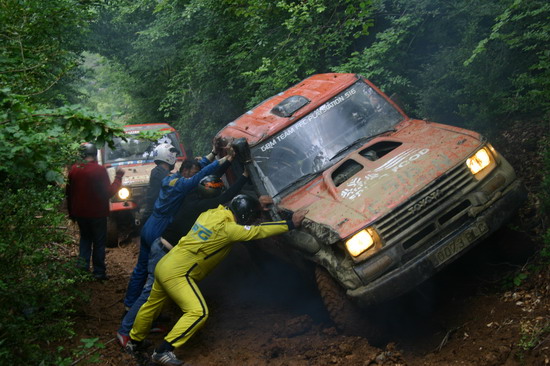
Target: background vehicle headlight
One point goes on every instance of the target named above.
(123, 193)
(360, 242)
(479, 161)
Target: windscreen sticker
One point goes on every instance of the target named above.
(131, 162)
(136, 178)
(305, 121)
(356, 186)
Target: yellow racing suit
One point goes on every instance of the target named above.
(196, 254)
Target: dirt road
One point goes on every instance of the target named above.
(274, 316)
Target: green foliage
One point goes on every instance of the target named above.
(102, 88)
(37, 283)
(87, 350)
(519, 278)
(533, 334)
(468, 63)
(36, 142)
(39, 134)
(525, 30)
(201, 63)
(40, 43)
(545, 199)
(545, 185)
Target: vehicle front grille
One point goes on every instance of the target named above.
(433, 210)
(139, 191)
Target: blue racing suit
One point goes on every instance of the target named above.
(174, 188)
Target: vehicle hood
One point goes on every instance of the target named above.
(427, 151)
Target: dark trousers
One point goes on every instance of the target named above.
(93, 237)
(151, 231)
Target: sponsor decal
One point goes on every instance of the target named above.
(131, 162)
(356, 186)
(201, 232)
(135, 179)
(402, 159)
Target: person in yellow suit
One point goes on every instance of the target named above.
(196, 254)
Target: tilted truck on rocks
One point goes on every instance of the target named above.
(392, 200)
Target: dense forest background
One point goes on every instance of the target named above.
(77, 70)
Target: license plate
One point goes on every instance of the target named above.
(459, 243)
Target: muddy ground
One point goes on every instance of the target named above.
(470, 314)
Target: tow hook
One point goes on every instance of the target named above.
(137, 222)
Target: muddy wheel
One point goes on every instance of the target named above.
(346, 315)
(112, 233)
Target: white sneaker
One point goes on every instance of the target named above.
(166, 358)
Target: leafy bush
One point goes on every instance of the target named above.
(545, 199)
(39, 135)
(37, 142)
(37, 283)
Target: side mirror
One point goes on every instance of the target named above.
(242, 150)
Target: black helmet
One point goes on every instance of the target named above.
(245, 208)
(210, 186)
(88, 149)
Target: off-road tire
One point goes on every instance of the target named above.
(349, 318)
(112, 233)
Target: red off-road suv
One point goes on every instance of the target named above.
(392, 200)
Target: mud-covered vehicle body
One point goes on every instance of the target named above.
(135, 156)
(392, 200)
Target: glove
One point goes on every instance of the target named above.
(218, 145)
(242, 150)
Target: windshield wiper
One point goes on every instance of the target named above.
(300, 180)
(361, 140)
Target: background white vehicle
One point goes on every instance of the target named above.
(135, 156)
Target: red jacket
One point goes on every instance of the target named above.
(89, 190)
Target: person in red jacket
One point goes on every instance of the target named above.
(88, 192)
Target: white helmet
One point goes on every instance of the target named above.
(165, 153)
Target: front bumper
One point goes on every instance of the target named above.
(122, 206)
(405, 277)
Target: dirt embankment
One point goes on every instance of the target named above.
(471, 314)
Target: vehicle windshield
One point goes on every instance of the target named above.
(316, 141)
(136, 150)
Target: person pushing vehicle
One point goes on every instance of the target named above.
(176, 275)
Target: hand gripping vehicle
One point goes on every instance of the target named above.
(392, 200)
(135, 156)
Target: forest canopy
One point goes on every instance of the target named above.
(199, 64)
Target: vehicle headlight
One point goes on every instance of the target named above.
(361, 242)
(123, 193)
(479, 161)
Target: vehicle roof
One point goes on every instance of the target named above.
(259, 123)
(147, 126)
